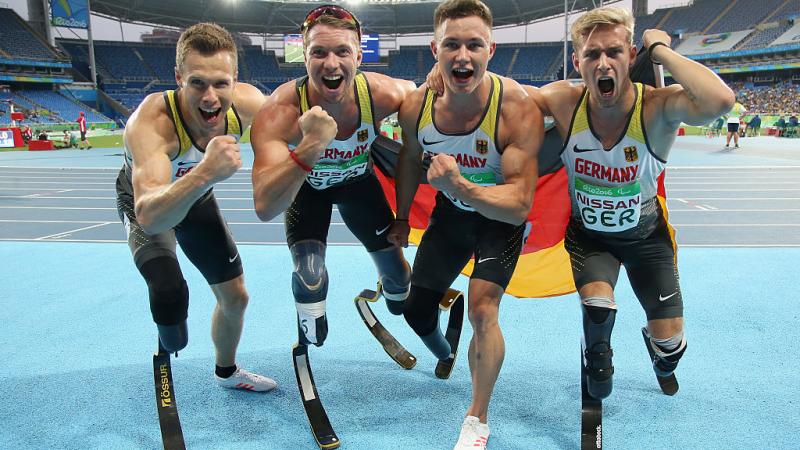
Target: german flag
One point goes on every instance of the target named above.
(543, 269)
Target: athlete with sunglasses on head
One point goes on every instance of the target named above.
(312, 141)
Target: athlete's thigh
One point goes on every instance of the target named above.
(206, 240)
(591, 259)
(446, 246)
(653, 272)
(497, 251)
(309, 216)
(366, 212)
(143, 246)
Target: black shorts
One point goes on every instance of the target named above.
(83, 135)
(733, 127)
(203, 236)
(453, 236)
(362, 205)
(651, 265)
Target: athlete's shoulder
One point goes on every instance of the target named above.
(151, 121)
(388, 93)
(248, 99)
(152, 114)
(285, 95)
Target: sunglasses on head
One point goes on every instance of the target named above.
(329, 10)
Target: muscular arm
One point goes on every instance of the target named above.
(409, 167)
(150, 137)
(409, 162)
(522, 132)
(701, 95)
(276, 177)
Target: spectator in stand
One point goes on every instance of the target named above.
(82, 127)
(754, 126)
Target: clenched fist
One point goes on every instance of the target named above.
(318, 129)
(652, 36)
(443, 174)
(222, 158)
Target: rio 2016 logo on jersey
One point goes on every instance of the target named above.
(363, 135)
(481, 146)
(631, 154)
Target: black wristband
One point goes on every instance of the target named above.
(650, 51)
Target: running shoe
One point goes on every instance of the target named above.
(248, 381)
(474, 435)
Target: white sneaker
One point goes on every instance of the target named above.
(242, 379)
(474, 435)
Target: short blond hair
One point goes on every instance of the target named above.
(207, 39)
(606, 15)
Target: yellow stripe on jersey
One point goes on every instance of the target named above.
(183, 135)
(363, 98)
(581, 122)
(490, 119)
(635, 128)
(304, 97)
(234, 127)
(426, 118)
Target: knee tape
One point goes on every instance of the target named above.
(394, 273)
(310, 277)
(422, 310)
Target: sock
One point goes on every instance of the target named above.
(225, 372)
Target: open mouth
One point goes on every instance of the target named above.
(209, 115)
(462, 74)
(332, 82)
(606, 86)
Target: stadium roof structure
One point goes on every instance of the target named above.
(285, 17)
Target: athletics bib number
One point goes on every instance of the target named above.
(608, 209)
(326, 175)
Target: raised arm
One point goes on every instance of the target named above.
(700, 96)
(409, 167)
(161, 204)
(277, 174)
(522, 132)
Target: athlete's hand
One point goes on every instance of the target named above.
(653, 35)
(398, 233)
(435, 81)
(222, 158)
(443, 174)
(318, 129)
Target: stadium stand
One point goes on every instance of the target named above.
(19, 41)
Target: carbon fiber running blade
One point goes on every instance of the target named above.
(171, 432)
(591, 416)
(390, 345)
(321, 426)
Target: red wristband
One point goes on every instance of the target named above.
(297, 161)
